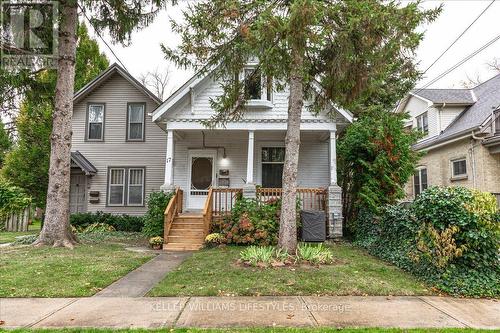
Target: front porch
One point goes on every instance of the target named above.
(209, 169)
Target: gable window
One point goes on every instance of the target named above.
(420, 181)
(126, 186)
(423, 123)
(135, 121)
(273, 160)
(95, 122)
(459, 168)
(253, 84)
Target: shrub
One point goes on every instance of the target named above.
(153, 220)
(99, 228)
(214, 239)
(449, 237)
(314, 254)
(252, 223)
(255, 255)
(12, 199)
(120, 222)
(156, 241)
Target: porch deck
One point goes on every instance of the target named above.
(187, 231)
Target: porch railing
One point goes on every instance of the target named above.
(208, 211)
(224, 200)
(309, 198)
(174, 207)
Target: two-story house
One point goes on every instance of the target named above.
(126, 144)
(461, 137)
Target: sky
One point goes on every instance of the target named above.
(144, 53)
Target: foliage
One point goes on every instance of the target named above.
(27, 164)
(214, 239)
(375, 162)
(119, 222)
(25, 240)
(252, 223)
(314, 254)
(154, 218)
(5, 142)
(449, 237)
(12, 199)
(254, 255)
(156, 240)
(99, 228)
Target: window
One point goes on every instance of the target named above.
(420, 181)
(253, 84)
(459, 167)
(116, 187)
(423, 123)
(95, 119)
(273, 159)
(496, 116)
(135, 121)
(135, 187)
(126, 186)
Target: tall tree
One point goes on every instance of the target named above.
(5, 143)
(351, 49)
(157, 81)
(27, 164)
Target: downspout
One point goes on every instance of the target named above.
(473, 158)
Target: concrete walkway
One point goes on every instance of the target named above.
(141, 280)
(296, 311)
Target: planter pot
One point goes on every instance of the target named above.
(157, 246)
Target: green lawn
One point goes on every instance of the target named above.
(255, 330)
(27, 271)
(9, 237)
(214, 272)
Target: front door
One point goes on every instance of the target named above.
(77, 200)
(201, 177)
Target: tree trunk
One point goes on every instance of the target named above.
(288, 223)
(56, 228)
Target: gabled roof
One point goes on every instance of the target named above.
(487, 95)
(198, 78)
(88, 168)
(448, 96)
(113, 69)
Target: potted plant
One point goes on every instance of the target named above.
(156, 242)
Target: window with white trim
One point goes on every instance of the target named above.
(459, 167)
(423, 123)
(135, 121)
(273, 160)
(126, 186)
(257, 87)
(95, 122)
(420, 181)
(135, 193)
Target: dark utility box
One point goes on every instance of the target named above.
(313, 225)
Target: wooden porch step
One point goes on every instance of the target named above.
(182, 247)
(187, 225)
(196, 232)
(192, 239)
(189, 219)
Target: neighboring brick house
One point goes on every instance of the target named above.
(461, 137)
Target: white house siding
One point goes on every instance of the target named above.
(448, 114)
(313, 158)
(116, 92)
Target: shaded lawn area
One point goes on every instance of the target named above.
(257, 330)
(10, 236)
(214, 273)
(26, 271)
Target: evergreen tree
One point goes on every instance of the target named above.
(349, 53)
(5, 143)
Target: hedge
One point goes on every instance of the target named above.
(449, 237)
(120, 222)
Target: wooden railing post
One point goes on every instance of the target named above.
(174, 207)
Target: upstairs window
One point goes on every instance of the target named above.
(95, 122)
(420, 181)
(273, 160)
(459, 168)
(257, 87)
(135, 121)
(423, 123)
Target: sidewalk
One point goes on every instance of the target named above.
(212, 312)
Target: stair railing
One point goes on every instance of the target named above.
(174, 207)
(208, 211)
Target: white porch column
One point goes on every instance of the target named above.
(333, 158)
(334, 193)
(249, 188)
(169, 163)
